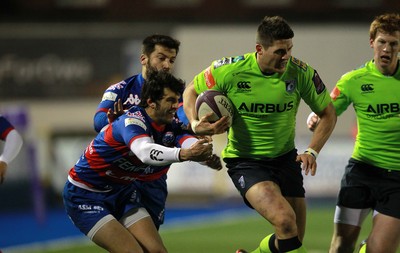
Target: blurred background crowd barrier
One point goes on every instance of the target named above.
(58, 56)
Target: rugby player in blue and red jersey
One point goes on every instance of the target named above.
(104, 193)
(159, 53)
(12, 146)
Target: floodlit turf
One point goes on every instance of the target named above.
(226, 235)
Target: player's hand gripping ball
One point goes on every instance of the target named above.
(212, 101)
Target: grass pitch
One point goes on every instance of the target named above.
(222, 234)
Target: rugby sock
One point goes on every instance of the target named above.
(267, 245)
(292, 245)
(363, 248)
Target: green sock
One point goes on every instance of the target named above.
(264, 245)
(363, 248)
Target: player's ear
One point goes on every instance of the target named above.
(143, 59)
(371, 43)
(259, 48)
(151, 104)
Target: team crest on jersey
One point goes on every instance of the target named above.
(290, 85)
(135, 121)
(319, 85)
(168, 139)
(111, 96)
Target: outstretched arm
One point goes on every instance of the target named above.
(155, 154)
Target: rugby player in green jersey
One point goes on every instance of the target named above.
(266, 87)
(372, 177)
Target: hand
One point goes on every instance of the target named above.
(118, 111)
(200, 151)
(205, 127)
(312, 121)
(309, 163)
(214, 162)
(3, 170)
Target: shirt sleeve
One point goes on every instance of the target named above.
(340, 96)
(151, 153)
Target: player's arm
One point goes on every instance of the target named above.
(109, 101)
(321, 134)
(201, 126)
(154, 154)
(12, 146)
(214, 161)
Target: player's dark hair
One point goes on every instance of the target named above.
(271, 29)
(385, 23)
(150, 42)
(153, 86)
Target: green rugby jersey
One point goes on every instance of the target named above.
(265, 105)
(376, 101)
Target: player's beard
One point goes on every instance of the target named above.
(150, 69)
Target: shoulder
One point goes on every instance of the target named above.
(298, 64)
(230, 61)
(134, 117)
(130, 81)
(228, 66)
(357, 73)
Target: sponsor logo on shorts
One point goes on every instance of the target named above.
(241, 182)
(90, 208)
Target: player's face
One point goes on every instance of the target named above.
(386, 48)
(275, 57)
(166, 107)
(162, 58)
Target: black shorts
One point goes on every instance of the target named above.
(283, 170)
(367, 186)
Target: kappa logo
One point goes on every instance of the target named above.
(367, 87)
(244, 86)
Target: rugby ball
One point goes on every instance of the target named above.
(212, 101)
